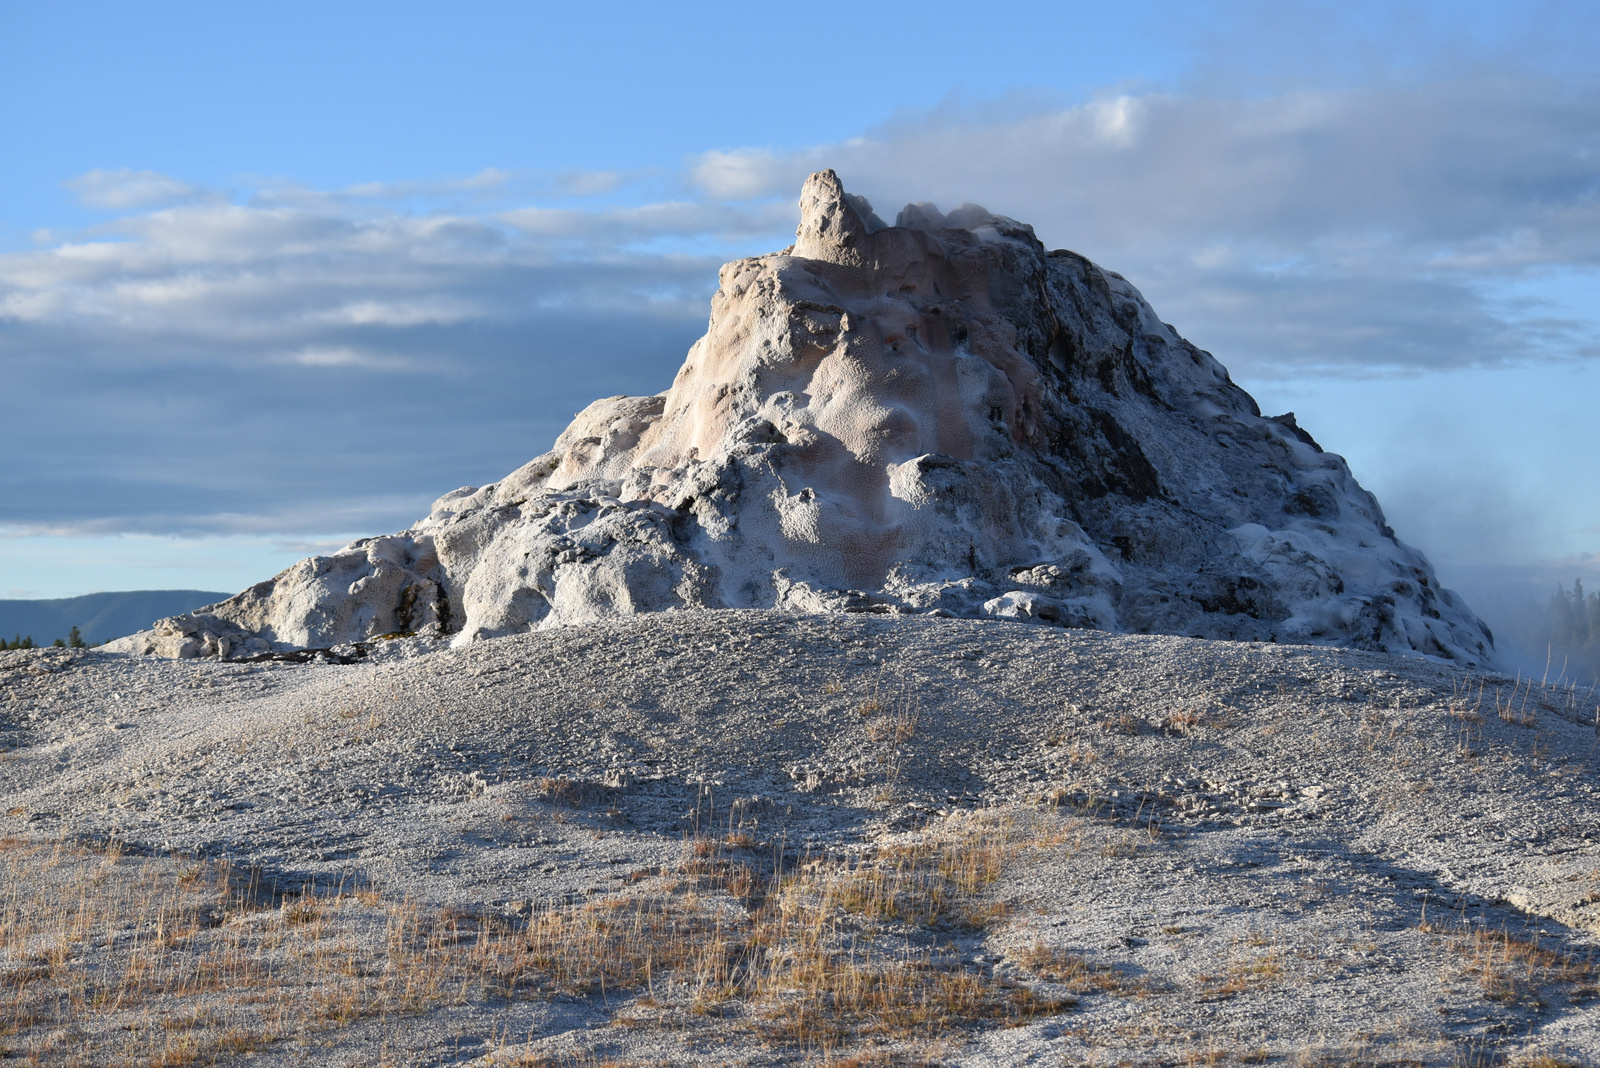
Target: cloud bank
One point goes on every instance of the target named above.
(289, 360)
(1361, 228)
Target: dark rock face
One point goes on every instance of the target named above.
(936, 416)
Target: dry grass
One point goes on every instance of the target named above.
(140, 958)
(1463, 704)
(1256, 960)
(896, 725)
(1250, 973)
(162, 961)
(1182, 721)
(1080, 754)
(1516, 969)
(843, 958)
(846, 959)
(1510, 710)
(560, 790)
(1078, 974)
(566, 1060)
(1123, 723)
(891, 721)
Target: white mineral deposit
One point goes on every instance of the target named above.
(933, 417)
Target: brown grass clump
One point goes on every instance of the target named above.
(1509, 710)
(1077, 973)
(565, 1060)
(1079, 754)
(1257, 960)
(1463, 705)
(1125, 723)
(1515, 969)
(559, 790)
(895, 726)
(1182, 721)
(837, 959)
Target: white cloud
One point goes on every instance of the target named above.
(487, 179)
(123, 188)
(488, 189)
(437, 310)
(748, 172)
(325, 363)
(588, 183)
(345, 356)
(1115, 121)
(631, 226)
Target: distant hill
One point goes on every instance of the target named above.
(98, 616)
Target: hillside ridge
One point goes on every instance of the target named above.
(99, 616)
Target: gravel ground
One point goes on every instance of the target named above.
(1277, 853)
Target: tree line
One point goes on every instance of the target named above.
(1566, 628)
(73, 640)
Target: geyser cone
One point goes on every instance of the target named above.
(935, 416)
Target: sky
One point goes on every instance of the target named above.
(276, 276)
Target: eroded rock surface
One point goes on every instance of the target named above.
(936, 416)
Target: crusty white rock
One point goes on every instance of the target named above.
(933, 416)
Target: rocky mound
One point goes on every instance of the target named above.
(933, 417)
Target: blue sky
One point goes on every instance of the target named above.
(276, 276)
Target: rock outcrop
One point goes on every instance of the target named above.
(935, 416)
